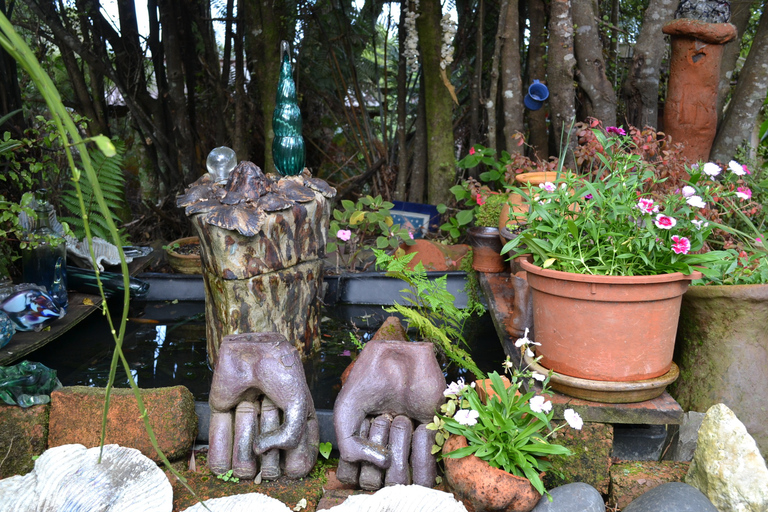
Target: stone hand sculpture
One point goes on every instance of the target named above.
(380, 415)
(261, 406)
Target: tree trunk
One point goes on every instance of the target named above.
(512, 89)
(600, 98)
(538, 137)
(741, 117)
(560, 76)
(641, 87)
(476, 84)
(740, 14)
(419, 160)
(401, 193)
(493, 90)
(439, 106)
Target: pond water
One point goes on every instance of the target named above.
(165, 345)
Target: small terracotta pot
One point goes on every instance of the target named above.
(482, 487)
(611, 328)
(185, 263)
(486, 249)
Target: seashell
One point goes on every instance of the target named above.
(69, 477)
(272, 202)
(246, 220)
(246, 183)
(103, 251)
(403, 498)
(294, 191)
(241, 503)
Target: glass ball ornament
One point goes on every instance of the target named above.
(220, 162)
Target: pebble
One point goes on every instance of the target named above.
(576, 497)
(671, 497)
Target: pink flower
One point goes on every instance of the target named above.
(614, 130)
(711, 169)
(548, 186)
(588, 197)
(688, 191)
(410, 234)
(573, 419)
(736, 168)
(680, 245)
(759, 240)
(344, 234)
(480, 199)
(472, 151)
(745, 169)
(664, 222)
(744, 193)
(646, 205)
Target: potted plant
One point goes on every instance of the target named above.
(610, 260)
(495, 452)
(184, 255)
(484, 235)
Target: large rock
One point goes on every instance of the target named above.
(76, 414)
(23, 435)
(630, 480)
(671, 497)
(71, 477)
(727, 466)
(575, 497)
(591, 459)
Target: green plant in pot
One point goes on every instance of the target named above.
(610, 258)
(496, 449)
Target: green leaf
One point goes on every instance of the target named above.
(325, 449)
(105, 145)
(464, 217)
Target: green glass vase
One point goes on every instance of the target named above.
(288, 144)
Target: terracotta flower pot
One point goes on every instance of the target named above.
(486, 249)
(482, 487)
(610, 328)
(185, 262)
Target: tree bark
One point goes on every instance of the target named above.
(560, 65)
(740, 14)
(420, 148)
(741, 117)
(401, 193)
(493, 90)
(439, 106)
(512, 89)
(476, 85)
(538, 137)
(641, 87)
(590, 71)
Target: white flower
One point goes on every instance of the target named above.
(466, 417)
(711, 169)
(539, 404)
(539, 377)
(696, 202)
(736, 168)
(548, 186)
(529, 352)
(524, 340)
(688, 191)
(699, 223)
(573, 419)
(454, 388)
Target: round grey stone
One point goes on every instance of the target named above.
(672, 497)
(576, 497)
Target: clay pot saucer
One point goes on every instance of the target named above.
(619, 392)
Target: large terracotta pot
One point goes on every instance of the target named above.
(611, 328)
(482, 487)
(722, 351)
(486, 249)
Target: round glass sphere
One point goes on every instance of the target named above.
(220, 163)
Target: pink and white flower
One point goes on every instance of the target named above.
(548, 186)
(744, 193)
(711, 169)
(736, 168)
(344, 234)
(573, 419)
(467, 417)
(696, 202)
(646, 205)
(688, 191)
(539, 404)
(455, 388)
(664, 222)
(680, 244)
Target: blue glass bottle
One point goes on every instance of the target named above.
(45, 263)
(288, 145)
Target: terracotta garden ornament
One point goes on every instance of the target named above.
(380, 415)
(261, 406)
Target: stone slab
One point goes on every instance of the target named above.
(23, 435)
(630, 480)
(76, 414)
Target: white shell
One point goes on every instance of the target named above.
(104, 252)
(68, 477)
(402, 498)
(241, 503)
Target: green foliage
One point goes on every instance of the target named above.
(430, 308)
(325, 449)
(227, 477)
(735, 267)
(489, 212)
(508, 430)
(363, 225)
(112, 182)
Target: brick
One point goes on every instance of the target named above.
(631, 479)
(23, 435)
(591, 459)
(76, 414)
